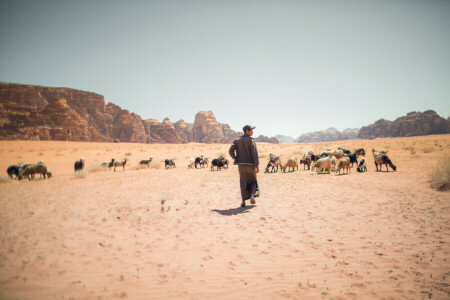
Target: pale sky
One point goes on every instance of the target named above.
(288, 67)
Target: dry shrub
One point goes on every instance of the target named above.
(128, 154)
(427, 150)
(155, 165)
(4, 179)
(412, 150)
(139, 167)
(80, 175)
(440, 177)
(93, 169)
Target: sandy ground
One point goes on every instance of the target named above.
(106, 235)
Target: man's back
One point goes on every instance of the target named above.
(244, 151)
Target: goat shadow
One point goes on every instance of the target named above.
(233, 211)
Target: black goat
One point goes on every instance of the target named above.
(146, 162)
(169, 164)
(217, 163)
(353, 158)
(13, 170)
(79, 165)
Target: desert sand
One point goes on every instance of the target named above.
(106, 235)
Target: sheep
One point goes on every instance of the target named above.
(343, 164)
(362, 167)
(219, 163)
(306, 161)
(291, 163)
(323, 163)
(120, 163)
(191, 163)
(353, 158)
(169, 164)
(79, 165)
(381, 158)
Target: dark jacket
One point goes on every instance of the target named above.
(244, 151)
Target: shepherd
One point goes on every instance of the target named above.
(245, 155)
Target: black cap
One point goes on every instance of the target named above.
(248, 127)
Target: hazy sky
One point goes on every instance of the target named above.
(287, 67)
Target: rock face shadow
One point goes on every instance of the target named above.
(233, 211)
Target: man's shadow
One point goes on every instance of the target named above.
(233, 211)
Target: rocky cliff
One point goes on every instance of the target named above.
(283, 139)
(413, 124)
(30, 112)
(331, 134)
(266, 139)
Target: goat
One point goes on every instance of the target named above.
(219, 163)
(344, 150)
(381, 159)
(79, 165)
(13, 170)
(362, 167)
(323, 163)
(291, 163)
(191, 163)
(169, 164)
(274, 161)
(146, 162)
(334, 162)
(353, 158)
(108, 164)
(30, 170)
(306, 161)
(120, 163)
(343, 164)
(360, 151)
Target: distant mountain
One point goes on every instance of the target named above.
(284, 139)
(413, 124)
(31, 112)
(331, 134)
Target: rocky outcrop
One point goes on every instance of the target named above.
(331, 134)
(206, 129)
(413, 124)
(30, 112)
(284, 139)
(184, 131)
(266, 139)
(163, 132)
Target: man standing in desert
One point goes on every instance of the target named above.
(245, 155)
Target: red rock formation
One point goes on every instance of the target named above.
(184, 131)
(413, 124)
(31, 112)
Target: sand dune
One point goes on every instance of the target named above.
(107, 235)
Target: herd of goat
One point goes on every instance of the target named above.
(335, 160)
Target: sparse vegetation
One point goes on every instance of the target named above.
(128, 154)
(440, 177)
(4, 179)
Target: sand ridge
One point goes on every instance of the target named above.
(107, 235)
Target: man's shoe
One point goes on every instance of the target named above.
(257, 193)
(252, 200)
(243, 204)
